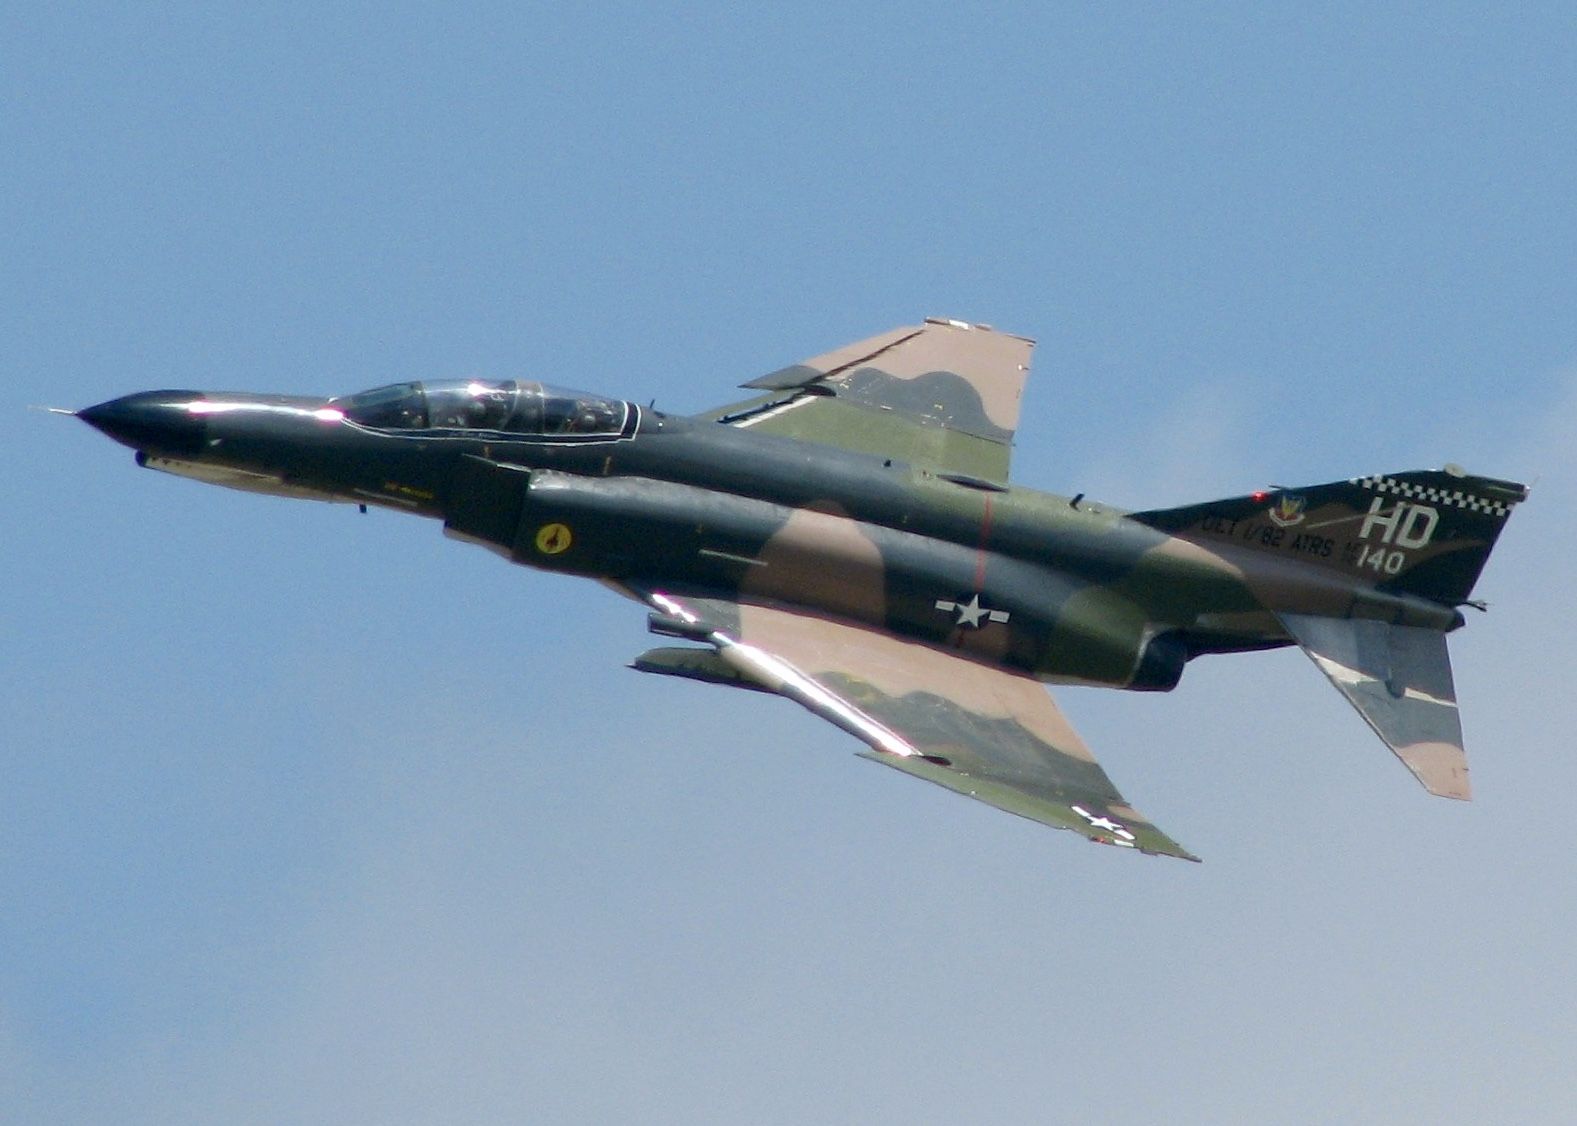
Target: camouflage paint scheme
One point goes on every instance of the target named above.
(849, 539)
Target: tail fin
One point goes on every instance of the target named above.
(1426, 533)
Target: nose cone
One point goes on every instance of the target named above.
(155, 421)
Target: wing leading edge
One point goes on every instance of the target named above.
(943, 395)
(980, 731)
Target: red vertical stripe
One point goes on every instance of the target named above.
(980, 552)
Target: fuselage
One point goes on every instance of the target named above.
(1063, 588)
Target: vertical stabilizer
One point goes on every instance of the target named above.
(1425, 533)
(1399, 679)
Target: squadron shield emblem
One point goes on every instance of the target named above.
(1287, 511)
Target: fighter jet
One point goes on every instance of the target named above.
(849, 538)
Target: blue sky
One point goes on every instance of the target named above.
(309, 816)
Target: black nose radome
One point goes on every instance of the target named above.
(156, 421)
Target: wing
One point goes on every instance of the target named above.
(981, 731)
(943, 395)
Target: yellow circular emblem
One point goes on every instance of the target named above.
(554, 539)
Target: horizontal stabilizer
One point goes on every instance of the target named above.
(1399, 679)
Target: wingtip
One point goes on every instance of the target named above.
(1440, 766)
(975, 326)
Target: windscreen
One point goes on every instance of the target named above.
(399, 406)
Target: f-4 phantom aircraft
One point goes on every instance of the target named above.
(848, 538)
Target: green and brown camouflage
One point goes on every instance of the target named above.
(850, 540)
(960, 383)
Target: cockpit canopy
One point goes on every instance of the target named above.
(511, 406)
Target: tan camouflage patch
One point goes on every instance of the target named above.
(897, 668)
(995, 364)
(1441, 767)
(828, 363)
(822, 557)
